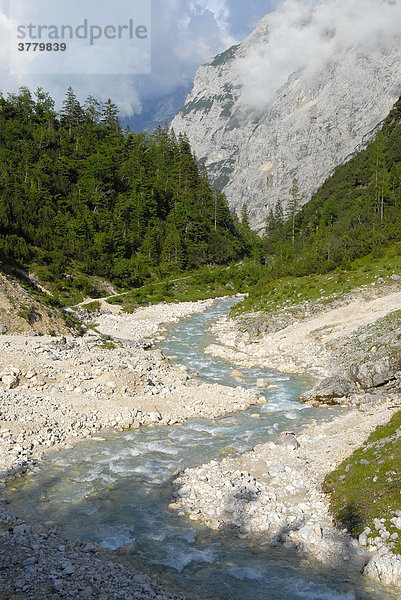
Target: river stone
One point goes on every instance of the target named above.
(385, 568)
(22, 529)
(10, 381)
(68, 569)
(58, 585)
(329, 390)
(30, 561)
(290, 441)
(276, 468)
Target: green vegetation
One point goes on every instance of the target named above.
(367, 486)
(81, 198)
(27, 313)
(82, 202)
(212, 282)
(92, 306)
(71, 287)
(107, 346)
(345, 235)
(272, 295)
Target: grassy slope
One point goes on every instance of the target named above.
(212, 282)
(292, 291)
(367, 486)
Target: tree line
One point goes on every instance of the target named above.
(75, 189)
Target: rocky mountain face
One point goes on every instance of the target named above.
(256, 138)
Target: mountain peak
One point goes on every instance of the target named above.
(304, 92)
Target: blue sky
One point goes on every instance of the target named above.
(243, 15)
(185, 33)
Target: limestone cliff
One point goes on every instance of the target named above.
(255, 139)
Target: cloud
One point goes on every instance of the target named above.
(308, 35)
(51, 70)
(185, 33)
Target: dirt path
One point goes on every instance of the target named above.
(105, 300)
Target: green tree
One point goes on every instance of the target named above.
(75, 193)
(71, 113)
(110, 117)
(293, 207)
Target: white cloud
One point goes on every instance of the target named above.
(82, 57)
(219, 8)
(185, 33)
(308, 35)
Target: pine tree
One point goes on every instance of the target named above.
(172, 252)
(244, 214)
(44, 107)
(293, 207)
(110, 117)
(279, 213)
(71, 113)
(92, 110)
(111, 204)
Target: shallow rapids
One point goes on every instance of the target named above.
(116, 490)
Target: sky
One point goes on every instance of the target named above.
(182, 34)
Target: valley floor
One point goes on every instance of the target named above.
(276, 490)
(308, 344)
(57, 390)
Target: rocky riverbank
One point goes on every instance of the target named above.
(58, 390)
(36, 563)
(349, 345)
(275, 491)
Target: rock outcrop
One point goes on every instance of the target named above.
(261, 115)
(369, 360)
(384, 567)
(23, 312)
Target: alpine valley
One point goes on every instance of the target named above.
(200, 349)
(281, 106)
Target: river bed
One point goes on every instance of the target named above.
(115, 490)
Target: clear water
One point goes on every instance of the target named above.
(116, 492)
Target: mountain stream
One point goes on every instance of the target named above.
(116, 491)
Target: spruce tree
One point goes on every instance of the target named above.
(293, 207)
(110, 117)
(71, 113)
